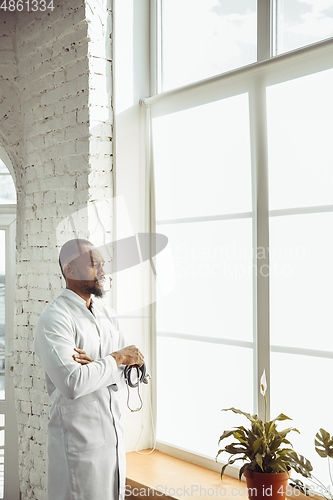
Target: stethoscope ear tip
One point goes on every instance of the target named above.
(146, 378)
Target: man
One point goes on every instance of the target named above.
(85, 447)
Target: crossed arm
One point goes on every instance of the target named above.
(76, 376)
(129, 355)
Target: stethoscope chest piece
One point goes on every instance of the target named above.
(140, 376)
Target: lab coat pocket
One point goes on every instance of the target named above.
(82, 426)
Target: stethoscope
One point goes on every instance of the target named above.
(141, 377)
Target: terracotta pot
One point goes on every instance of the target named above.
(266, 486)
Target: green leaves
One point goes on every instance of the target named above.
(233, 450)
(277, 464)
(298, 484)
(300, 464)
(286, 431)
(242, 469)
(225, 435)
(258, 458)
(261, 446)
(324, 444)
(256, 445)
(230, 462)
(252, 418)
(282, 416)
(276, 443)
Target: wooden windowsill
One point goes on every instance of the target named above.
(163, 476)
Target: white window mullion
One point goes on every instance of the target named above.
(264, 29)
(151, 228)
(275, 13)
(155, 46)
(258, 127)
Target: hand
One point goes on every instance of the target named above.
(128, 356)
(82, 357)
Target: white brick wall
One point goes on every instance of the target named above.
(56, 124)
(10, 127)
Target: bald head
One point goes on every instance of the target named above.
(71, 250)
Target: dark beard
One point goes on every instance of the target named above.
(94, 289)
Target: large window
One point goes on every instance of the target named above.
(243, 188)
(300, 152)
(198, 39)
(206, 213)
(301, 22)
(202, 38)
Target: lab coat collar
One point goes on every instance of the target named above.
(74, 297)
(78, 300)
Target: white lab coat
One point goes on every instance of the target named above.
(85, 445)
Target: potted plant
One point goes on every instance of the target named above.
(324, 448)
(267, 454)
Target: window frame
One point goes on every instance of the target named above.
(7, 406)
(254, 79)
